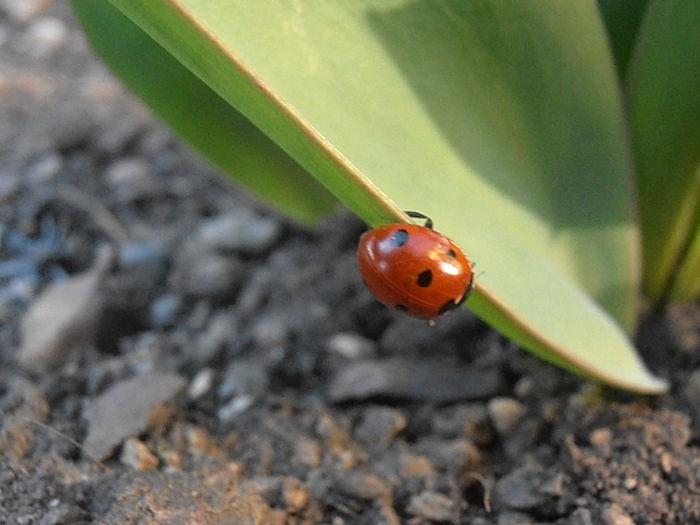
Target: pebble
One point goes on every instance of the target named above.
(452, 455)
(234, 408)
(361, 485)
(220, 330)
(505, 413)
(206, 274)
(132, 179)
(201, 384)
(46, 168)
(271, 331)
(240, 231)
(144, 264)
(470, 421)
(66, 314)
(44, 36)
(602, 440)
(295, 495)
(10, 184)
(429, 380)
(415, 466)
(519, 489)
(379, 426)
(351, 346)
(581, 516)
(245, 376)
(137, 455)
(125, 409)
(433, 506)
(164, 310)
(614, 514)
(308, 452)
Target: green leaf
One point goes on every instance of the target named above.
(622, 20)
(499, 118)
(202, 118)
(664, 98)
(686, 286)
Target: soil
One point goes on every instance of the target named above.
(173, 352)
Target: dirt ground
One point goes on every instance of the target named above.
(173, 352)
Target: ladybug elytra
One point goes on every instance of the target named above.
(415, 269)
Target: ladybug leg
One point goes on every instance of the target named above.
(419, 215)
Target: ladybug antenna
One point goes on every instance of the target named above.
(419, 215)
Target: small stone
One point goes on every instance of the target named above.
(126, 409)
(137, 455)
(518, 489)
(245, 376)
(432, 506)
(451, 455)
(234, 408)
(10, 184)
(240, 231)
(66, 314)
(555, 485)
(271, 331)
(380, 425)
(44, 36)
(201, 384)
(143, 260)
(220, 330)
(469, 421)
(172, 459)
(415, 466)
(206, 274)
(307, 452)
(581, 516)
(505, 413)
(132, 179)
(429, 380)
(164, 310)
(46, 168)
(666, 462)
(357, 484)
(200, 441)
(601, 439)
(295, 495)
(351, 346)
(614, 514)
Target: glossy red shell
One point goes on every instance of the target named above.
(414, 269)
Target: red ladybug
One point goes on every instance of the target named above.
(414, 268)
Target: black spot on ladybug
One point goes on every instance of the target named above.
(452, 253)
(401, 307)
(425, 278)
(449, 305)
(399, 238)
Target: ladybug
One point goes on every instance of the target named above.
(414, 269)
